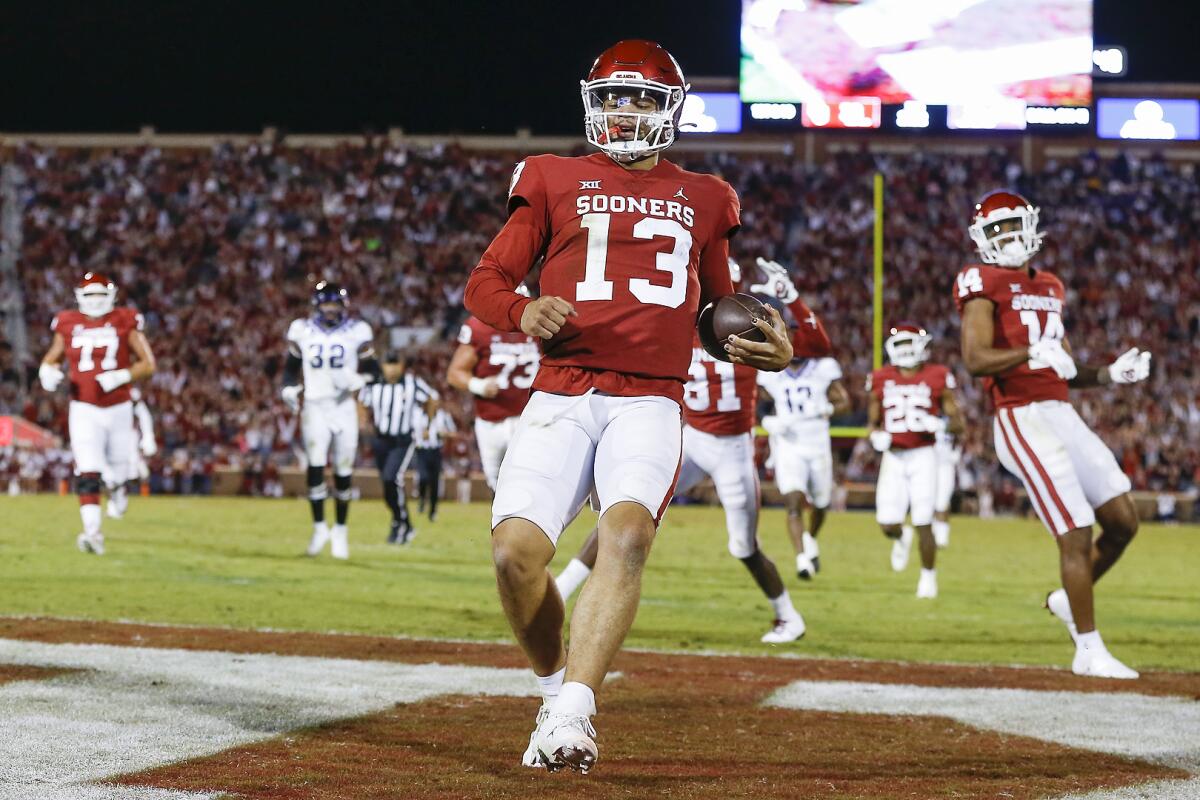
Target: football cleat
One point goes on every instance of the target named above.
(113, 509)
(1058, 605)
(811, 551)
(90, 544)
(320, 538)
(785, 630)
(1099, 663)
(901, 548)
(339, 542)
(927, 585)
(567, 740)
(394, 532)
(531, 758)
(805, 568)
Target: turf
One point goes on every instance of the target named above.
(238, 563)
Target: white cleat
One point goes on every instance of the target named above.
(805, 568)
(531, 759)
(812, 553)
(114, 509)
(927, 585)
(567, 740)
(339, 542)
(1099, 663)
(1058, 605)
(785, 630)
(320, 537)
(901, 548)
(90, 544)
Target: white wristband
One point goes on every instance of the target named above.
(477, 386)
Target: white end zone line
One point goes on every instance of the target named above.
(1163, 730)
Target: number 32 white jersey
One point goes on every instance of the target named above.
(801, 394)
(330, 356)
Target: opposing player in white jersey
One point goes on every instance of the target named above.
(330, 358)
(949, 453)
(116, 476)
(806, 395)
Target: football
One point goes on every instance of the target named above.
(731, 315)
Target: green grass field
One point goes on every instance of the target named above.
(238, 563)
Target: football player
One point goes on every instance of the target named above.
(1013, 336)
(141, 447)
(634, 246)
(718, 412)
(497, 367)
(330, 358)
(911, 402)
(106, 351)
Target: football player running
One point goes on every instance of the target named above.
(806, 395)
(497, 367)
(633, 246)
(718, 413)
(1013, 336)
(911, 402)
(330, 358)
(106, 351)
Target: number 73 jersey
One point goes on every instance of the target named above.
(509, 358)
(330, 356)
(1028, 306)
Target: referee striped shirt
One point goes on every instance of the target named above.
(394, 406)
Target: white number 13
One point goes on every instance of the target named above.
(595, 286)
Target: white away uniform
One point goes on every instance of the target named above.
(799, 434)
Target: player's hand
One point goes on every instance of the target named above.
(148, 446)
(291, 396)
(881, 441)
(772, 425)
(1050, 353)
(50, 376)
(545, 316)
(823, 407)
(935, 425)
(1132, 366)
(483, 387)
(113, 379)
(778, 283)
(772, 355)
(355, 382)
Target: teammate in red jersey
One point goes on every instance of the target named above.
(718, 414)
(498, 368)
(106, 351)
(633, 246)
(911, 403)
(1013, 336)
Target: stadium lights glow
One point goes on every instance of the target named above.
(781, 111)
(912, 114)
(1110, 61)
(1058, 115)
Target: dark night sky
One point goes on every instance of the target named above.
(430, 66)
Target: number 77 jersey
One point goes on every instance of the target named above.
(95, 345)
(1028, 306)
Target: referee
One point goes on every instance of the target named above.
(429, 433)
(394, 406)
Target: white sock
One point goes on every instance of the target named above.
(783, 608)
(810, 545)
(550, 685)
(572, 577)
(90, 514)
(931, 573)
(575, 698)
(1089, 641)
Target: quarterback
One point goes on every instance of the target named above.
(330, 358)
(1014, 337)
(633, 247)
(106, 351)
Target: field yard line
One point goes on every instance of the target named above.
(130, 708)
(1163, 730)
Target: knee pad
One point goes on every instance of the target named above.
(88, 483)
(342, 490)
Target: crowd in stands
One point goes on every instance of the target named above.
(219, 249)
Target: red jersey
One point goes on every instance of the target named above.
(95, 345)
(637, 253)
(1029, 306)
(720, 397)
(510, 358)
(909, 400)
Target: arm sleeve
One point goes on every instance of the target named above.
(810, 339)
(291, 370)
(490, 293)
(370, 366)
(714, 259)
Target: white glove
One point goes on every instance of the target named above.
(483, 387)
(50, 376)
(1131, 367)
(1050, 353)
(823, 407)
(291, 396)
(881, 440)
(113, 378)
(148, 446)
(355, 382)
(772, 424)
(934, 425)
(778, 284)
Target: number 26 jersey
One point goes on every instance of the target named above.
(330, 356)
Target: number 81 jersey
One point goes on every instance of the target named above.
(330, 356)
(510, 358)
(721, 396)
(1028, 306)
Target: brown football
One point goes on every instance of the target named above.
(731, 315)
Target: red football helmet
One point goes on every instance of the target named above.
(95, 294)
(632, 100)
(1005, 248)
(907, 345)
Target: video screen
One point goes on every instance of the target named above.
(938, 52)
